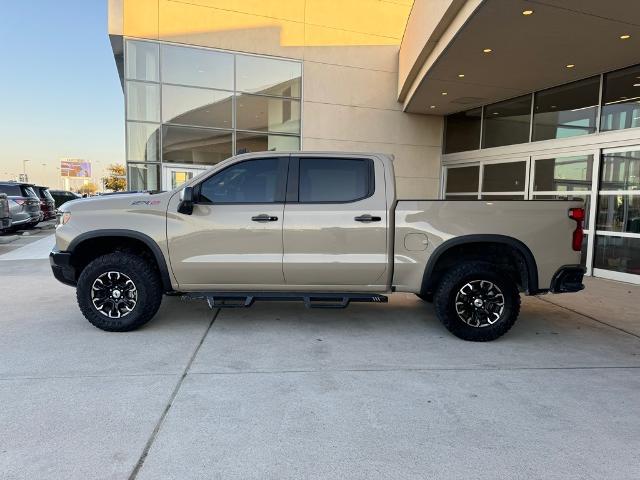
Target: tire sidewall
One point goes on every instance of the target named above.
(446, 302)
(85, 283)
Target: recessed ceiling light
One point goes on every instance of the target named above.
(487, 50)
(625, 36)
(553, 106)
(636, 84)
(570, 65)
(461, 75)
(496, 113)
(432, 106)
(444, 93)
(527, 12)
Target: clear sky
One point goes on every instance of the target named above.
(59, 88)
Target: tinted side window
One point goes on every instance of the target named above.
(334, 180)
(253, 181)
(11, 190)
(28, 192)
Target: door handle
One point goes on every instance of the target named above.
(264, 218)
(367, 218)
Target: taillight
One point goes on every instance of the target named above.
(577, 214)
(20, 202)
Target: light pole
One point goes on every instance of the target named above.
(24, 169)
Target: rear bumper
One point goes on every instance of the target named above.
(62, 268)
(568, 279)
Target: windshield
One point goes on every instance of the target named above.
(46, 193)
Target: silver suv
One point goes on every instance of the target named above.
(24, 204)
(5, 215)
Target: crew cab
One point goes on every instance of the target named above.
(322, 227)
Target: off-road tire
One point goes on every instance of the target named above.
(454, 280)
(147, 282)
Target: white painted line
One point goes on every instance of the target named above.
(34, 251)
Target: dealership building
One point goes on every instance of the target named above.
(476, 99)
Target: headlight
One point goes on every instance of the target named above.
(64, 218)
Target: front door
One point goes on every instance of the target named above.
(176, 176)
(335, 226)
(233, 238)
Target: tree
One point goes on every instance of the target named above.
(88, 188)
(116, 179)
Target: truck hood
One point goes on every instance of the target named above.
(124, 201)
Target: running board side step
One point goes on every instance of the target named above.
(311, 300)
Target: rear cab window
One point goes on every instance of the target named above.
(335, 180)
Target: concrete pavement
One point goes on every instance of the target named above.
(278, 391)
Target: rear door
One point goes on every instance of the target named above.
(335, 222)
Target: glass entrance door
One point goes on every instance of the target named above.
(617, 248)
(175, 176)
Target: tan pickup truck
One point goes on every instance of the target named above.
(325, 228)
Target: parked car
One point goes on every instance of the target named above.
(47, 203)
(24, 204)
(323, 228)
(5, 214)
(62, 196)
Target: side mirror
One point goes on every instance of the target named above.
(186, 201)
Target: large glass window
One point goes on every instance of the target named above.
(197, 146)
(567, 110)
(201, 98)
(563, 174)
(504, 177)
(463, 181)
(507, 123)
(267, 114)
(197, 106)
(619, 213)
(142, 61)
(143, 142)
(620, 254)
(262, 142)
(197, 67)
(254, 181)
(143, 176)
(268, 76)
(620, 171)
(143, 101)
(333, 180)
(620, 99)
(462, 131)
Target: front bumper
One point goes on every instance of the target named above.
(5, 223)
(568, 279)
(62, 268)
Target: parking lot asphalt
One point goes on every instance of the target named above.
(278, 391)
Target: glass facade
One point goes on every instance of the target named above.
(567, 110)
(507, 122)
(559, 112)
(196, 107)
(463, 131)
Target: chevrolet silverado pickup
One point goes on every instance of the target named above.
(324, 228)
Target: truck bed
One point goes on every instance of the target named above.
(422, 227)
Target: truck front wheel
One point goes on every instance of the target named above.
(477, 302)
(119, 292)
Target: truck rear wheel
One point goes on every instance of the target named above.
(477, 302)
(119, 292)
